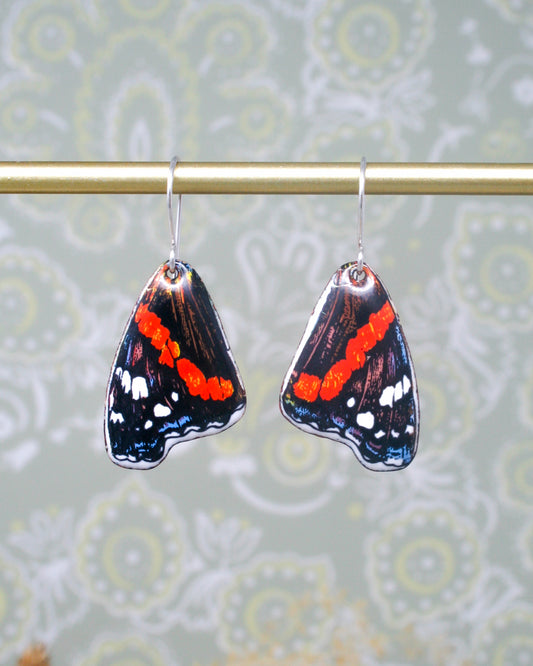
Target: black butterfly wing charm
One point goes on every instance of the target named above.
(173, 378)
(352, 378)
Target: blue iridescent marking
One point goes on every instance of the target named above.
(177, 424)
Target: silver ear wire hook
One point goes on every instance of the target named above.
(174, 224)
(361, 219)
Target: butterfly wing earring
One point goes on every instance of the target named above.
(173, 378)
(352, 378)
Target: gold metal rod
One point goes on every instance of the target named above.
(264, 178)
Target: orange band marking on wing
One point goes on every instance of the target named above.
(309, 387)
(214, 388)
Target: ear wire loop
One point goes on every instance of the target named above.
(361, 218)
(174, 223)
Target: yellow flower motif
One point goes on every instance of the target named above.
(39, 308)
(96, 223)
(423, 565)
(372, 44)
(295, 460)
(225, 39)
(492, 264)
(46, 34)
(130, 550)
(253, 121)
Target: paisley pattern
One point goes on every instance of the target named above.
(130, 551)
(264, 545)
(158, 101)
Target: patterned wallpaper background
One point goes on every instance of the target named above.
(264, 545)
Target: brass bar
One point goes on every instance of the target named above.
(264, 178)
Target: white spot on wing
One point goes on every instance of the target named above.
(409, 430)
(392, 394)
(174, 396)
(139, 388)
(387, 396)
(350, 402)
(161, 410)
(116, 417)
(126, 381)
(379, 434)
(398, 391)
(394, 433)
(365, 420)
(148, 424)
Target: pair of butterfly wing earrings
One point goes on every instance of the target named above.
(174, 378)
